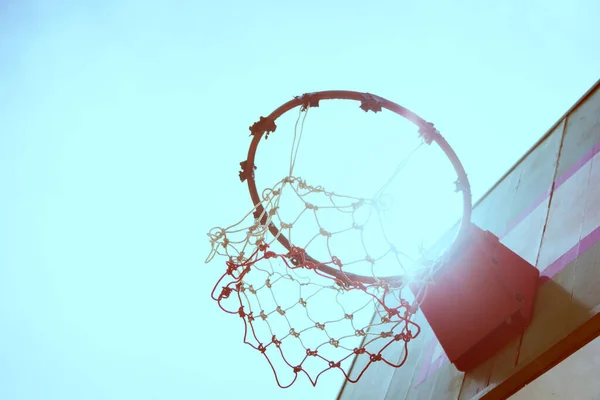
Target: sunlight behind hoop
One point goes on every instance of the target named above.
(376, 157)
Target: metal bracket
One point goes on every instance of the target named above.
(263, 125)
(460, 185)
(246, 173)
(429, 133)
(308, 100)
(370, 102)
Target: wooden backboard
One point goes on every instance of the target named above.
(547, 210)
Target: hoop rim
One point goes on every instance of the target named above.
(369, 102)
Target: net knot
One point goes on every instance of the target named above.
(297, 256)
(280, 310)
(310, 265)
(241, 312)
(263, 315)
(341, 285)
(261, 348)
(225, 292)
(276, 342)
(334, 343)
(375, 357)
(323, 232)
(302, 302)
(401, 336)
(334, 364)
(311, 353)
(392, 311)
(358, 204)
(231, 268)
(336, 261)
(361, 350)
(294, 333)
(263, 246)
(302, 184)
(297, 369)
(360, 332)
(320, 326)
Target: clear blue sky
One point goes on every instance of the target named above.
(122, 124)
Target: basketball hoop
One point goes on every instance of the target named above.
(264, 264)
